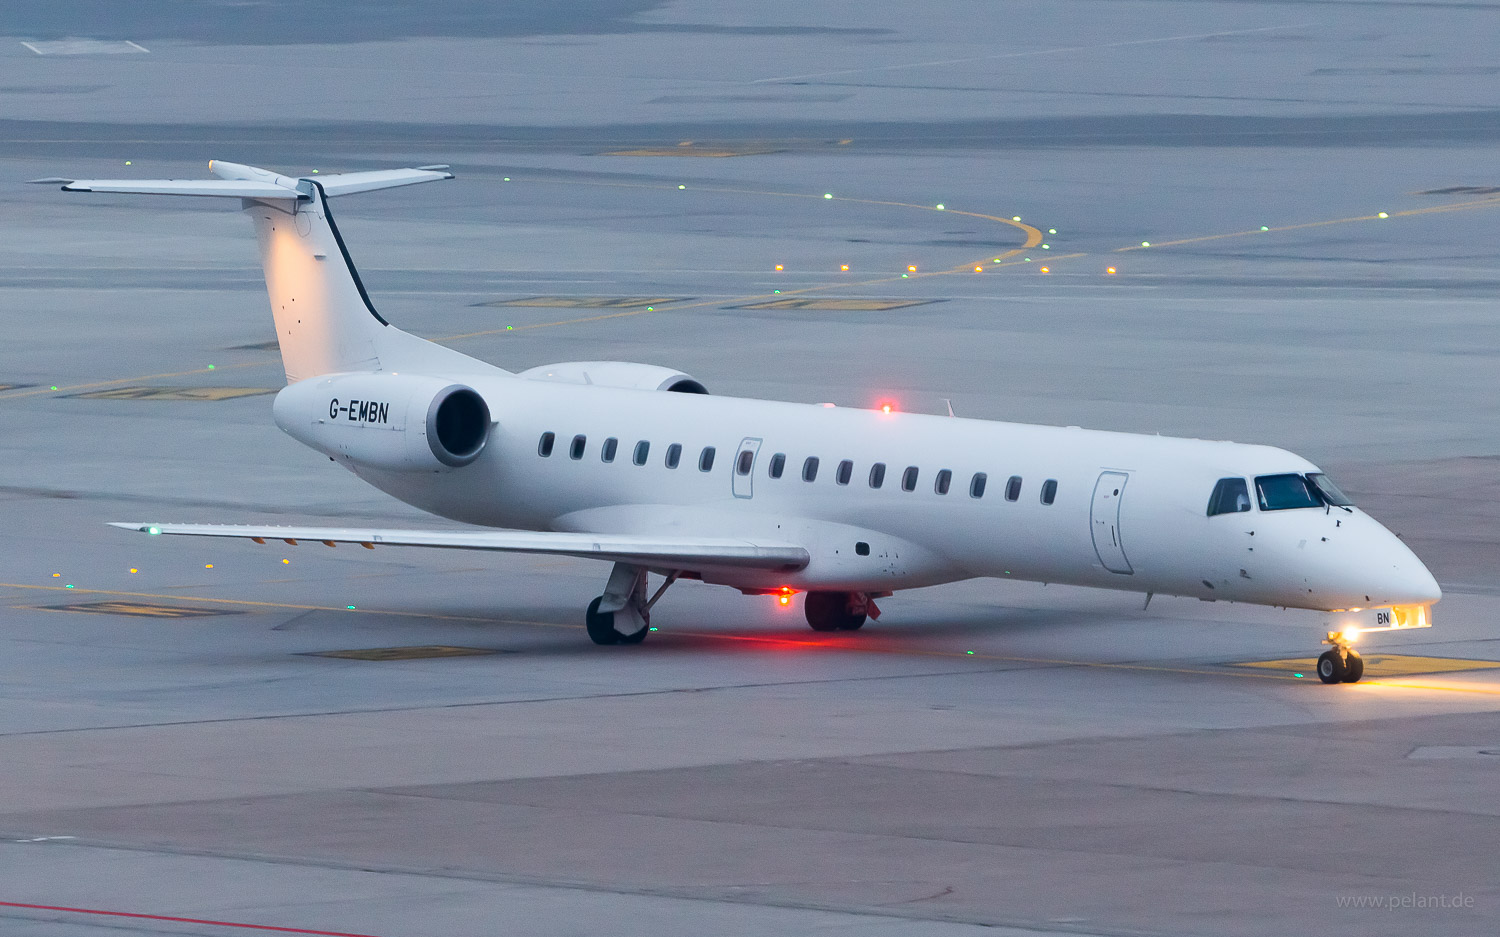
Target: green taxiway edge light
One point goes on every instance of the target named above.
(968, 652)
(905, 275)
(1296, 675)
(210, 367)
(68, 586)
(1145, 243)
(349, 607)
(1264, 228)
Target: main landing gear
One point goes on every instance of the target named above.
(839, 611)
(622, 615)
(1341, 663)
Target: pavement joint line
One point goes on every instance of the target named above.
(176, 920)
(800, 643)
(1027, 53)
(475, 704)
(681, 893)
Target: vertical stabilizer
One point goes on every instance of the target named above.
(325, 322)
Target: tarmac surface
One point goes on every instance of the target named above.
(1316, 184)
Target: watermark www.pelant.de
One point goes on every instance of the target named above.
(1411, 901)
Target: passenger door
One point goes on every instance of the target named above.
(743, 470)
(1105, 516)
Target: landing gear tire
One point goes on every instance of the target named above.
(1332, 669)
(601, 625)
(1354, 667)
(829, 611)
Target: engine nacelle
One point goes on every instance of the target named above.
(625, 374)
(404, 423)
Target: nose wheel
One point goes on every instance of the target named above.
(1340, 663)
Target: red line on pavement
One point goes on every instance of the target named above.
(181, 920)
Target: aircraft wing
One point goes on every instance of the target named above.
(669, 552)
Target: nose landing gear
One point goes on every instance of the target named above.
(1341, 663)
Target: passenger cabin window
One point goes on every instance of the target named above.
(943, 482)
(976, 485)
(576, 450)
(544, 447)
(877, 475)
(642, 452)
(1049, 491)
(706, 459)
(1013, 488)
(674, 455)
(1231, 496)
(810, 469)
(608, 450)
(1285, 492)
(745, 463)
(844, 473)
(909, 478)
(778, 465)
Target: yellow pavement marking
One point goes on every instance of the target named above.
(1432, 209)
(862, 645)
(588, 302)
(841, 305)
(687, 151)
(173, 393)
(138, 609)
(415, 652)
(1033, 238)
(250, 603)
(33, 391)
(1379, 665)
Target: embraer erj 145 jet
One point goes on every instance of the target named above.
(638, 465)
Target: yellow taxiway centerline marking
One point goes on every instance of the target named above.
(33, 391)
(1033, 238)
(868, 648)
(1453, 206)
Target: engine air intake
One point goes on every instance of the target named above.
(458, 425)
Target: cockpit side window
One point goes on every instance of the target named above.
(1231, 495)
(1329, 490)
(1285, 492)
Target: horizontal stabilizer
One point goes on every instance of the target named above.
(230, 188)
(660, 552)
(237, 180)
(348, 183)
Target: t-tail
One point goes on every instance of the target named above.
(325, 322)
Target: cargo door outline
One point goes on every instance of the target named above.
(743, 482)
(1104, 522)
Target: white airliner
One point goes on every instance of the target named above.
(638, 465)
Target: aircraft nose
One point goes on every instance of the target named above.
(1401, 578)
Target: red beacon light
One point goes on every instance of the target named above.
(784, 597)
(887, 408)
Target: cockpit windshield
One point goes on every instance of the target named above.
(1285, 492)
